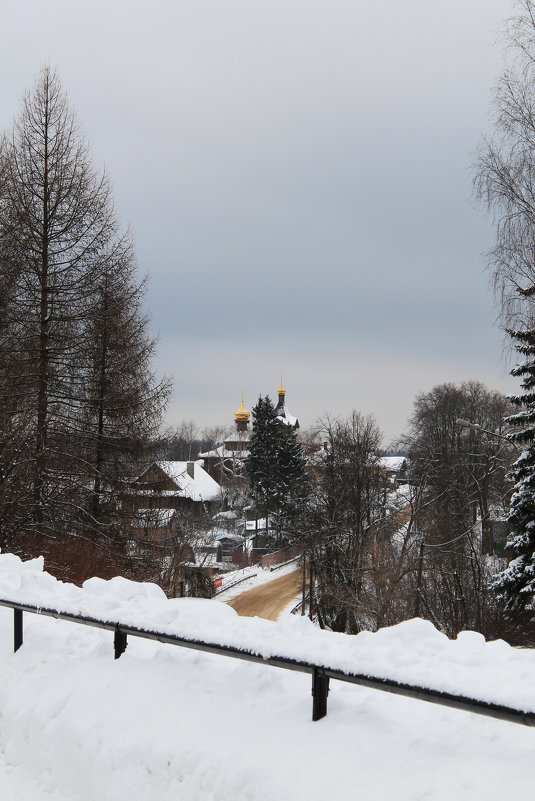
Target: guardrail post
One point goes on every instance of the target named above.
(119, 643)
(17, 629)
(320, 691)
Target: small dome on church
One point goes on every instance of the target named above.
(242, 413)
(282, 391)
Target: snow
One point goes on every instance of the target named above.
(202, 487)
(227, 453)
(167, 723)
(253, 525)
(413, 652)
(392, 463)
(232, 448)
(229, 515)
(287, 418)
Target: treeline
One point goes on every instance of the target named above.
(78, 396)
(442, 565)
(184, 442)
(505, 184)
(378, 552)
(378, 548)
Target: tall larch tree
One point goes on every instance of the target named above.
(124, 401)
(73, 301)
(56, 216)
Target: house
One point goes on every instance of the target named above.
(157, 531)
(395, 468)
(154, 525)
(183, 486)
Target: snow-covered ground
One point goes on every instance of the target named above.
(166, 723)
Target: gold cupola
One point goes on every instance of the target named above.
(282, 391)
(242, 415)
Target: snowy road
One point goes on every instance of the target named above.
(271, 599)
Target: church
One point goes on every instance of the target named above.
(226, 463)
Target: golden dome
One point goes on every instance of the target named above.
(242, 413)
(282, 391)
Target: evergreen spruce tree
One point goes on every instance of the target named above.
(262, 467)
(516, 584)
(275, 468)
(292, 483)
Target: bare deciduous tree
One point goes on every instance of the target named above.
(504, 173)
(344, 509)
(461, 474)
(505, 180)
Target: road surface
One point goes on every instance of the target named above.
(269, 600)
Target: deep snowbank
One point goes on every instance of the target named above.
(165, 723)
(413, 652)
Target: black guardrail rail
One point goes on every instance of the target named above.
(321, 675)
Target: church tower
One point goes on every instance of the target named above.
(282, 412)
(239, 440)
(225, 462)
(242, 416)
(280, 404)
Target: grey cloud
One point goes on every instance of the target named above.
(296, 174)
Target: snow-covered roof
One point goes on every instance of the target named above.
(224, 453)
(210, 454)
(226, 449)
(200, 487)
(239, 436)
(208, 560)
(287, 418)
(392, 463)
(226, 535)
(228, 515)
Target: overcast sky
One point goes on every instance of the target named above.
(297, 178)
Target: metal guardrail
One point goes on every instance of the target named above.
(321, 675)
(234, 583)
(252, 575)
(295, 609)
(288, 562)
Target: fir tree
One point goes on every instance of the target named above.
(292, 482)
(262, 468)
(516, 584)
(276, 467)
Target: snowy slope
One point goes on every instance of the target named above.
(165, 723)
